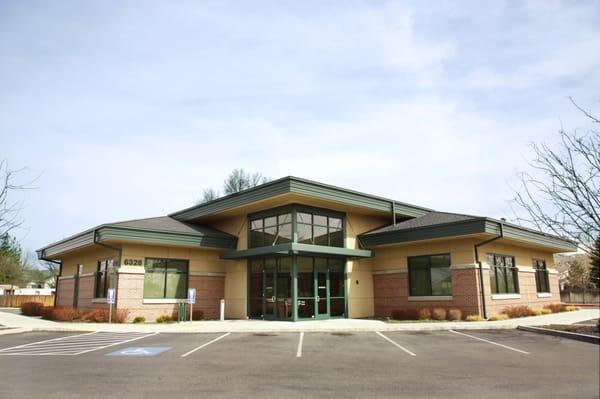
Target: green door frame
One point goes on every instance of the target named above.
(318, 298)
(273, 298)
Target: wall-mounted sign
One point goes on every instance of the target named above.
(132, 262)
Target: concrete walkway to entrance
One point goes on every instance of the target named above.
(17, 323)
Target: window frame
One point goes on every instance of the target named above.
(293, 210)
(101, 281)
(514, 270)
(541, 273)
(165, 274)
(429, 267)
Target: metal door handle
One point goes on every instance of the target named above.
(273, 298)
(318, 298)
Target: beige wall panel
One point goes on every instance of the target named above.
(87, 257)
(236, 290)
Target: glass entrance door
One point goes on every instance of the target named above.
(321, 293)
(269, 289)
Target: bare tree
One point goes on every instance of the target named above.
(239, 180)
(9, 210)
(562, 194)
(208, 194)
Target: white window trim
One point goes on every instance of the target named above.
(430, 298)
(544, 294)
(163, 301)
(506, 296)
(99, 300)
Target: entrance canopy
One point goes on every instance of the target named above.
(293, 248)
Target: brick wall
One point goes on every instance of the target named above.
(64, 292)
(130, 296)
(528, 293)
(391, 293)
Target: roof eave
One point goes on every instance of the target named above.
(295, 185)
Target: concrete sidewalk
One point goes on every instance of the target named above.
(18, 323)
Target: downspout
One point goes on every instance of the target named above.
(42, 256)
(483, 306)
(118, 263)
(394, 212)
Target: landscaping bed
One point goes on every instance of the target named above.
(575, 328)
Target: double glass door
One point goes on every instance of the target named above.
(320, 288)
(277, 289)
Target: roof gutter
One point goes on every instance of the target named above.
(483, 305)
(42, 256)
(118, 262)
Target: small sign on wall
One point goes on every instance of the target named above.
(133, 262)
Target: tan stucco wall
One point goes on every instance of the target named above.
(87, 257)
(359, 277)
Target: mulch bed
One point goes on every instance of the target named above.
(574, 328)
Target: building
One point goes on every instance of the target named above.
(294, 249)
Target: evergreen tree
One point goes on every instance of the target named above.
(595, 258)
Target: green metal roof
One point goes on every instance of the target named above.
(293, 248)
(159, 230)
(303, 187)
(444, 224)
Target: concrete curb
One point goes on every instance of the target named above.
(563, 334)
(10, 331)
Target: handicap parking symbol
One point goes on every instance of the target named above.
(140, 351)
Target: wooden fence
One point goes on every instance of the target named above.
(15, 301)
(580, 295)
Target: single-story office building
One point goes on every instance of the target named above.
(294, 249)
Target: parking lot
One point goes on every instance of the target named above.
(449, 364)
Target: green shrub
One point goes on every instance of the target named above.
(439, 314)
(165, 318)
(501, 316)
(32, 308)
(474, 317)
(424, 314)
(139, 319)
(536, 312)
(517, 311)
(454, 314)
(545, 311)
(571, 308)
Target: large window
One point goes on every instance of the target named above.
(317, 229)
(271, 230)
(165, 278)
(313, 226)
(103, 270)
(542, 282)
(429, 275)
(503, 274)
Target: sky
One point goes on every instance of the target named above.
(129, 109)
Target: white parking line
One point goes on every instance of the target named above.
(47, 340)
(396, 344)
(299, 351)
(206, 344)
(73, 344)
(116, 343)
(491, 342)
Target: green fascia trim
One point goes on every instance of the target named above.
(481, 225)
(77, 241)
(158, 237)
(107, 232)
(528, 235)
(302, 187)
(297, 249)
(424, 233)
